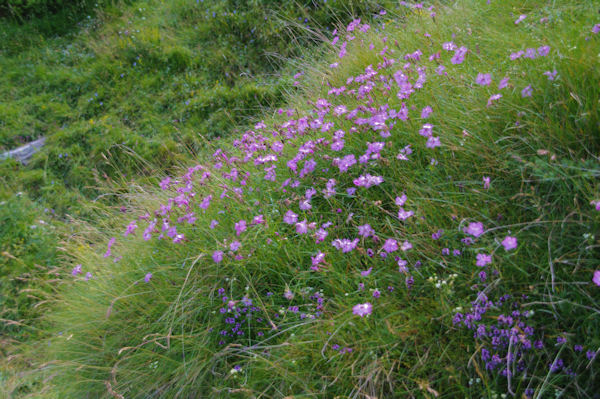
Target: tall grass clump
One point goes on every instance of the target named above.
(419, 221)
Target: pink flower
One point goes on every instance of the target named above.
(521, 18)
(426, 112)
(596, 278)
(290, 217)
(240, 227)
(527, 92)
(509, 243)
(486, 182)
(302, 227)
(317, 259)
(483, 259)
(433, 142)
(596, 204)
(365, 273)
(551, 75)
(130, 228)
(362, 309)
(76, 270)
(403, 215)
(503, 83)
(217, 256)
(235, 245)
(390, 245)
(474, 228)
(493, 97)
(110, 244)
(483, 79)
(147, 277)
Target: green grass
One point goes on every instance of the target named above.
(150, 77)
(118, 335)
(126, 90)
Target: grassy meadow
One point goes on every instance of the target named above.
(326, 199)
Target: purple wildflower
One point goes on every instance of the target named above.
(459, 55)
(527, 92)
(76, 270)
(240, 227)
(486, 182)
(425, 112)
(362, 309)
(520, 19)
(493, 97)
(483, 259)
(551, 75)
(110, 244)
(474, 228)
(217, 256)
(147, 277)
(596, 278)
(484, 79)
(543, 51)
(509, 243)
(390, 245)
(290, 217)
(503, 83)
(365, 273)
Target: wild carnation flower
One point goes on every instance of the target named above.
(527, 92)
(520, 19)
(596, 278)
(509, 243)
(362, 309)
(483, 79)
(449, 46)
(130, 228)
(474, 228)
(110, 244)
(596, 29)
(217, 256)
(302, 227)
(433, 142)
(147, 277)
(459, 55)
(290, 217)
(365, 273)
(234, 246)
(400, 201)
(240, 227)
(486, 182)
(403, 215)
(345, 245)
(390, 245)
(76, 270)
(425, 112)
(483, 259)
(365, 230)
(551, 75)
(503, 83)
(543, 51)
(368, 181)
(493, 97)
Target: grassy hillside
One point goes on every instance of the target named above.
(141, 81)
(291, 263)
(125, 91)
(419, 220)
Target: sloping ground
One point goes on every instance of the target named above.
(420, 222)
(136, 81)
